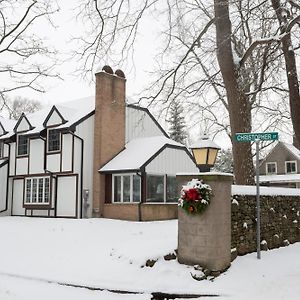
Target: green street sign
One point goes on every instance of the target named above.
(251, 137)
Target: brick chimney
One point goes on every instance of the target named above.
(109, 128)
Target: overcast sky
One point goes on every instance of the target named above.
(72, 87)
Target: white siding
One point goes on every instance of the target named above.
(5, 150)
(53, 162)
(171, 161)
(23, 125)
(54, 119)
(139, 124)
(3, 187)
(22, 166)
(66, 206)
(1, 130)
(67, 144)
(40, 212)
(12, 159)
(86, 131)
(36, 156)
(17, 206)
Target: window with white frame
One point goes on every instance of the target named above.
(271, 168)
(161, 189)
(22, 145)
(126, 188)
(54, 137)
(37, 190)
(290, 167)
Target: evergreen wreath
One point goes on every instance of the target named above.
(195, 197)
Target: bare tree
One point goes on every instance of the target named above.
(288, 15)
(25, 59)
(212, 58)
(20, 105)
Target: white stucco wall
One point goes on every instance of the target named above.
(36, 156)
(22, 165)
(67, 145)
(3, 186)
(66, 196)
(85, 130)
(17, 204)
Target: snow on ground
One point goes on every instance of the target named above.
(109, 254)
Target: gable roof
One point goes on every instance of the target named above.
(146, 110)
(289, 147)
(72, 112)
(293, 150)
(138, 153)
(23, 117)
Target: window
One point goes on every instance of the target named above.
(53, 140)
(290, 167)
(172, 194)
(126, 188)
(271, 168)
(22, 145)
(161, 188)
(37, 190)
(155, 188)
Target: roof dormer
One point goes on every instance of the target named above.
(54, 118)
(23, 124)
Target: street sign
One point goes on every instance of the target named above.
(261, 136)
(257, 137)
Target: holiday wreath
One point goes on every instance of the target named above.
(195, 197)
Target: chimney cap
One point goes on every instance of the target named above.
(120, 73)
(108, 69)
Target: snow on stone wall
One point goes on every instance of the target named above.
(280, 222)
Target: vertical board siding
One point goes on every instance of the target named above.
(139, 124)
(171, 161)
(85, 130)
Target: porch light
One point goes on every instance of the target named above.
(205, 153)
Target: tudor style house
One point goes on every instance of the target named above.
(281, 167)
(93, 157)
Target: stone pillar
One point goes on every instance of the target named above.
(205, 239)
(109, 128)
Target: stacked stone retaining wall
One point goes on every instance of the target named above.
(280, 222)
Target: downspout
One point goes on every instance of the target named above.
(7, 182)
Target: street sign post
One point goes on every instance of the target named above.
(257, 137)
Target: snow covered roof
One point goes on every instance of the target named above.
(263, 190)
(295, 151)
(280, 178)
(137, 153)
(7, 126)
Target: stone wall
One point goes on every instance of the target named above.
(280, 222)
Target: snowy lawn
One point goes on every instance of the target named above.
(108, 254)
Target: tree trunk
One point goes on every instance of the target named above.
(238, 104)
(291, 69)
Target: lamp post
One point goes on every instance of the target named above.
(205, 153)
